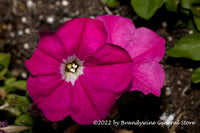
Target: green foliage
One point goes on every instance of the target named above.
(188, 47)
(12, 85)
(4, 63)
(5, 59)
(172, 5)
(18, 101)
(111, 3)
(146, 8)
(188, 4)
(196, 76)
(24, 119)
(190, 9)
(196, 16)
(13, 98)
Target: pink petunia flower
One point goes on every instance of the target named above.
(75, 72)
(144, 46)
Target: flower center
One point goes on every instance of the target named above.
(71, 69)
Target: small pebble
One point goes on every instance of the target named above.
(51, 6)
(50, 20)
(23, 19)
(27, 31)
(190, 31)
(39, 2)
(24, 75)
(179, 82)
(57, 3)
(77, 12)
(12, 34)
(167, 119)
(41, 17)
(29, 3)
(191, 70)
(9, 27)
(170, 118)
(20, 32)
(168, 91)
(64, 20)
(19, 62)
(26, 46)
(4, 27)
(65, 3)
(169, 38)
(21, 7)
(164, 24)
(15, 73)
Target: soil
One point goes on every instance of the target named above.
(21, 20)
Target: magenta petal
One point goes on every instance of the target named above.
(115, 78)
(51, 46)
(145, 44)
(40, 87)
(46, 33)
(108, 55)
(42, 64)
(78, 36)
(119, 29)
(90, 102)
(148, 77)
(110, 67)
(57, 105)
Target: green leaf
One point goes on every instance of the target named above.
(188, 4)
(191, 25)
(10, 81)
(17, 100)
(172, 5)
(188, 47)
(146, 8)
(5, 59)
(196, 76)
(20, 84)
(24, 119)
(11, 85)
(3, 72)
(111, 3)
(196, 16)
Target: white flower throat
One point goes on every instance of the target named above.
(71, 69)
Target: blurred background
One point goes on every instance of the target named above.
(20, 22)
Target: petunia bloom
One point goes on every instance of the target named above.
(75, 72)
(146, 49)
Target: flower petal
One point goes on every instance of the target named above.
(82, 36)
(40, 87)
(109, 68)
(51, 46)
(145, 44)
(57, 105)
(90, 102)
(141, 41)
(108, 55)
(115, 78)
(119, 29)
(148, 77)
(42, 64)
